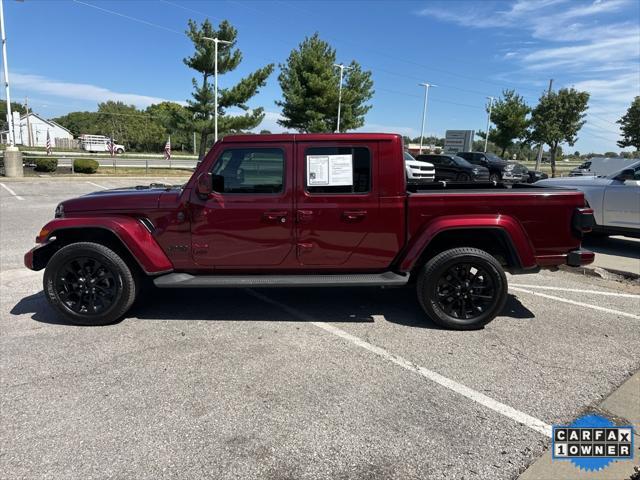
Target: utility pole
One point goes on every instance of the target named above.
(539, 157)
(486, 137)
(341, 67)
(424, 109)
(215, 41)
(12, 139)
(194, 143)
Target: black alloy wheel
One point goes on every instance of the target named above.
(465, 291)
(89, 284)
(86, 286)
(462, 288)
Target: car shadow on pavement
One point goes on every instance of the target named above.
(622, 247)
(338, 305)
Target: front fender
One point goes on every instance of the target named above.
(508, 225)
(137, 239)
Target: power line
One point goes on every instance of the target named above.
(145, 22)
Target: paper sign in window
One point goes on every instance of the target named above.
(330, 170)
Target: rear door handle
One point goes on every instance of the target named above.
(354, 214)
(276, 216)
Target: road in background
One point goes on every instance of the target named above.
(293, 383)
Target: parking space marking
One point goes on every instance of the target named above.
(14, 194)
(99, 186)
(488, 402)
(580, 304)
(576, 290)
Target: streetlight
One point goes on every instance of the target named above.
(11, 138)
(341, 67)
(486, 138)
(215, 41)
(424, 109)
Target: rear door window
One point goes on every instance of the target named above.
(317, 157)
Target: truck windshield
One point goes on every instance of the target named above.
(461, 162)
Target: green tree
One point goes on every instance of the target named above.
(558, 118)
(509, 117)
(174, 120)
(309, 82)
(202, 104)
(80, 123)
(135, 128)
(630, 126)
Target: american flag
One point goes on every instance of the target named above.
(111, 147)
(167, 149)
(48, 143)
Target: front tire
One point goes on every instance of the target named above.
(462, 288)
(89, 284)
(494, 177)
(463, 177)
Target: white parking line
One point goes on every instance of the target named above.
(99, 186)
(11, 191)
(488, 402)
(576, 290)
(580, 304)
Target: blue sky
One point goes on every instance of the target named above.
(70, 55)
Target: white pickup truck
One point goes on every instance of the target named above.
(615, 199)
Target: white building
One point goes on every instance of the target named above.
(31, 131)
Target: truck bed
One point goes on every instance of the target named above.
(544, 214)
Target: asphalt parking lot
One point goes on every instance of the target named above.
(294, 383)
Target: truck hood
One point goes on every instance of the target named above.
(137, 198)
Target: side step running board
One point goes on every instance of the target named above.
(185, 280)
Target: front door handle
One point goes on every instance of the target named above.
(276, 216)
(354, 214)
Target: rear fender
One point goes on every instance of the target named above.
(130, 232)
(511, 229)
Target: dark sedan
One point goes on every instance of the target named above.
(452, 167)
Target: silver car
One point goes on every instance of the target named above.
(615, 199)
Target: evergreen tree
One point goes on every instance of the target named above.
(310, 81)
(630, 126)
(202, 105)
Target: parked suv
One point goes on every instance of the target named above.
(418, 172)
(452, 167)
(499, 169)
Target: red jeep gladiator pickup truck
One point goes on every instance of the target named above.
(307, 210)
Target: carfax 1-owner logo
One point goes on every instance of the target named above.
(592, 442)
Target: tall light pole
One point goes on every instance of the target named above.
(215, 41)
(341, 67)
(486, 138)
(11, 138)
(424, 109)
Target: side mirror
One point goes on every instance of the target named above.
(626, 174)
(204, 185)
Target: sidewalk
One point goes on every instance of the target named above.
(624, 406)
(616, 254)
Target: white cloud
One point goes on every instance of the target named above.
(79, 91)
(592, 43)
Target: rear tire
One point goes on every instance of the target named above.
(462, 288)
(89, 284)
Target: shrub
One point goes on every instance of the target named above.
(46, 164)
(85, 165)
